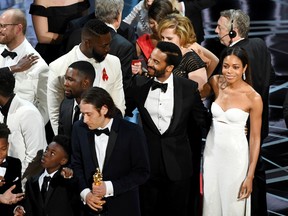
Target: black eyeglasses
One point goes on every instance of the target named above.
(3, 26)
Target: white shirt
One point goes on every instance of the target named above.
(160, 105)
(3, 169)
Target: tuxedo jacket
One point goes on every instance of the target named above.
(125, 165)
(262, 73)
(31, 84)
(170, 152)
(65, 117)
(12, 177)
(62, 198)
(27, 139)
(119, 46)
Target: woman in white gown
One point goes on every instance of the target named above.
(229, 161)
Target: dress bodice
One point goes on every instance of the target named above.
(232, 116)
(190, 62)
(59, 16)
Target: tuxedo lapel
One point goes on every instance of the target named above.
(70, 107)
(178, 104)
(111, 142)
(36, 188)
(91, 143)
(52, 185)
(141, 106)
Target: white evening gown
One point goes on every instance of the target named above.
(225, 157)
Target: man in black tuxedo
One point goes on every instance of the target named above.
(167, 105)
(232, 29)
(114, 146)
(10, 171)
(79, 77)
(110, 12)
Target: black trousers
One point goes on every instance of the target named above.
(165, 197)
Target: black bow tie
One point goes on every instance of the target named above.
(98, 132)
(162, 86)
(4, 164)
(6, 53)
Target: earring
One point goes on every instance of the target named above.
(244, 76)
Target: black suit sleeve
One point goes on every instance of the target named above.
(199, 114)
(138, 154)
(4, 69)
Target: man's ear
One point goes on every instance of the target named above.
(87, 42)
(104, 110)
(170, 68)
(85, 83)
(63, 161)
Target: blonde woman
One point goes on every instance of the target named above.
(183, 28)
(195, 65)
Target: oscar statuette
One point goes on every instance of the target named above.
(97, 180)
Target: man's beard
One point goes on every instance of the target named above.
(97, 57)
(156, 73)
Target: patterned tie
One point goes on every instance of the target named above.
(162, 86)
(98, 132)
(6, 53)
(44, 187)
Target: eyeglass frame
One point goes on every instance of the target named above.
(4, 26)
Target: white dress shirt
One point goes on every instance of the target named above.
(160, 105)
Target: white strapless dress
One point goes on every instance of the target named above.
(226, 159)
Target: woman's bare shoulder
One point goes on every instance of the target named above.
(253, 95)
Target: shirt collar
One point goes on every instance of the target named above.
(81, 56)
(47, 174)
(232, 44)
(111, 26)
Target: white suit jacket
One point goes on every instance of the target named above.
(32, 83)
(55, 92)
(27, 131)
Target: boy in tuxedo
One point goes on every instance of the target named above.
(52, 192)
(10, 171)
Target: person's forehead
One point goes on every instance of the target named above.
(72, 71)
(6, 16)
